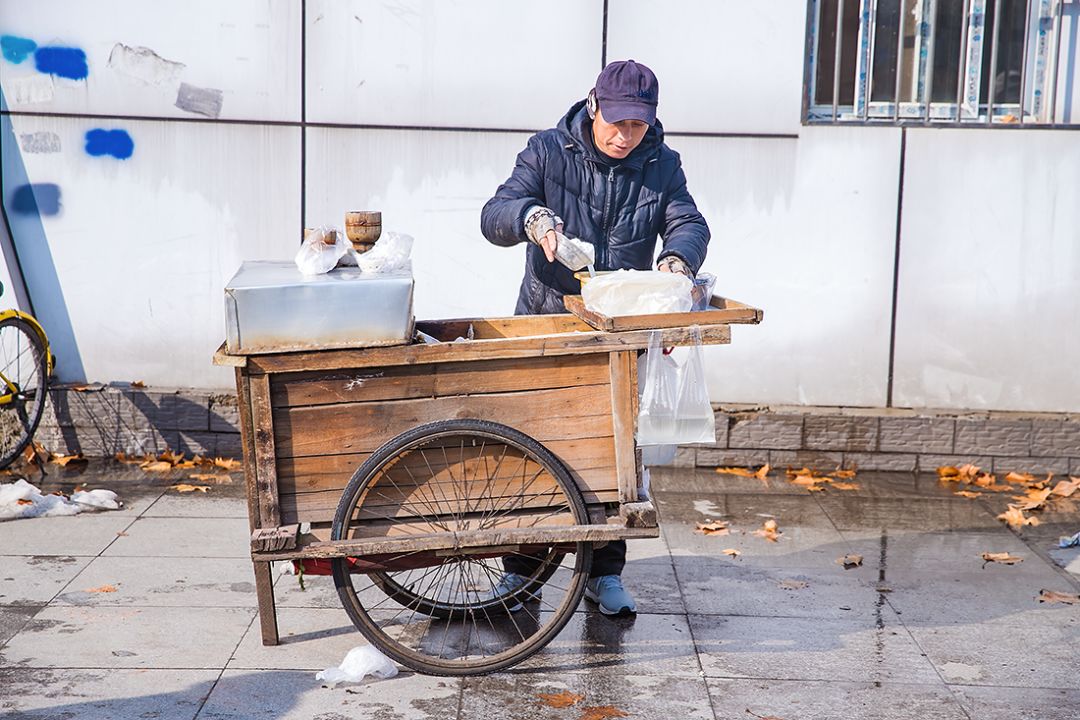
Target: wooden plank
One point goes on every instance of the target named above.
(623, 391)
(560, 414)
(222, 357)
(265, 468)
(723, 312)
(493, 328)
(247, 442)
(473, 539)
(568, 343)
(264, 592)
(408, 382)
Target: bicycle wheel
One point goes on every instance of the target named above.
(448, 612)
(23, 366)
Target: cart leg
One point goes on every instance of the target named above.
(264, 589)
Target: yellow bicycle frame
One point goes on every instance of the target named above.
(9, 393)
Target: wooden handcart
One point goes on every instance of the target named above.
(418, 470)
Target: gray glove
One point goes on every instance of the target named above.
(539, 221)
(673, 264)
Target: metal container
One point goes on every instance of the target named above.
(272, 307)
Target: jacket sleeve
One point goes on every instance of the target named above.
(686, 234)
(502, 221)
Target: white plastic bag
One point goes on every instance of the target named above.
(390, 254)
(637, 292)
(317, 256)
(360, 662)
(675, 406)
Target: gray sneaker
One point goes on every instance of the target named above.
(511, 583)
(608, 593)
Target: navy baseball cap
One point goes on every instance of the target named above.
(627, 90)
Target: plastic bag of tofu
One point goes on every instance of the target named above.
(323, 247)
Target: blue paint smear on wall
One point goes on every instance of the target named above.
(43, 198)
(62, 61)
(16, 49)
(110, 142)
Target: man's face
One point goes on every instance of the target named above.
(617, 140)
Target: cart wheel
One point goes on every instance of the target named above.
(23, 384)
(446, 612)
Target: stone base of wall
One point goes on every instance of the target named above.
(101, 421)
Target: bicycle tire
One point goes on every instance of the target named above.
(20, 417)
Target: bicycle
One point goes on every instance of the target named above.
(25, 366)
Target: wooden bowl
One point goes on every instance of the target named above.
(363, 228)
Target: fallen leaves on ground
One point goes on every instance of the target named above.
(762, 473)
(1065, 488)
(1002, 557)
(1019, 478)
(24, 501)
(65, 460)
(1033, 499)
(815, 481)
(849, 561)
(731, 552)
(227, 463)
(212, 478)
(185, 487)
(967, 494)
(156, 466)
(103, 589)
(132, 459)
(769, 531)
(601, 712)
(560, 699)
(792, 584)
(1053, 596)
(1015, 517)
(964, 473)
(713, 527)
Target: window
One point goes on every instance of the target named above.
(969, 61)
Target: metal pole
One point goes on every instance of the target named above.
(928, 82)
(961, 77)
(810, 60)
(836, 60)
(872, 29)
(1024, 61)
(899, 63)
(992, 84)
(1052, 116)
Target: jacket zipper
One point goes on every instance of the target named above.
(610, 202)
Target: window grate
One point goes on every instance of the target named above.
(933, 61)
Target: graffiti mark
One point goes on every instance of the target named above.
(63, 62)
(109, 142)
(16, 49)
(144, 64)
(29, 90)
(39, 142)
(202, 101)
(43, 198)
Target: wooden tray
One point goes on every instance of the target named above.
(723, 312)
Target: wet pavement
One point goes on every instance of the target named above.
(922, 629)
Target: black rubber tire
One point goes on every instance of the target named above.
(437, 666)
(26, 415)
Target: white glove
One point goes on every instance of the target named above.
(673, 264)
(539, 221)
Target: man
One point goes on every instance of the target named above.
(603, 175)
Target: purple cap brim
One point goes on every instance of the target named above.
(615, 111)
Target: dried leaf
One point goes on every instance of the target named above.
(714, 527)
(1008, 119)
(103, 589)
(170, 457)
(967, 494)
(808, 481)
(137, 384)
(1015, 517)
(131, 459)
(769, 531)
(792, 584)
(849, 561)
(1055, 596)
(227, 463)
(741, 472)
(731, 551)
(763, 472)
(121, 534)
(1065, 488)
(560, 699)
(805, 471)
(845, 486)
(212, 478)
(156, 466)
(843, 474)
(1003, 557)
(78, 388)
(1015, 477)
(1033, 499)
(24, 501)
(816, 488)
(65, 460)
(601, 712)
(184, 487)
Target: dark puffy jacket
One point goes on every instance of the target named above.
(618, 206)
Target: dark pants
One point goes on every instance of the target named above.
(608, 560)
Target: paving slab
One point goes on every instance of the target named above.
(128, 637)
(220, 501)
(310, 639)
(1033, 648)
(648, 697)
(653, 586)
(1013, 703)
(295, 695)
(77, 535)
(920, 514)
(809, 649)
(184, 537)
(36, 579)
(97, 694)
(164, 582)
(15, 618)
(832, 700)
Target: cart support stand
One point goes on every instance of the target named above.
(264, 589)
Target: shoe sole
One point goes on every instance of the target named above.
(624, 611)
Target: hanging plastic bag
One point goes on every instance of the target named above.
(323, 247)
(390, 254)
(675, 407)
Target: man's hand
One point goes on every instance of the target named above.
(541, 226)
(672, 264)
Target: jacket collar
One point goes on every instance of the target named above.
(576, 129)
